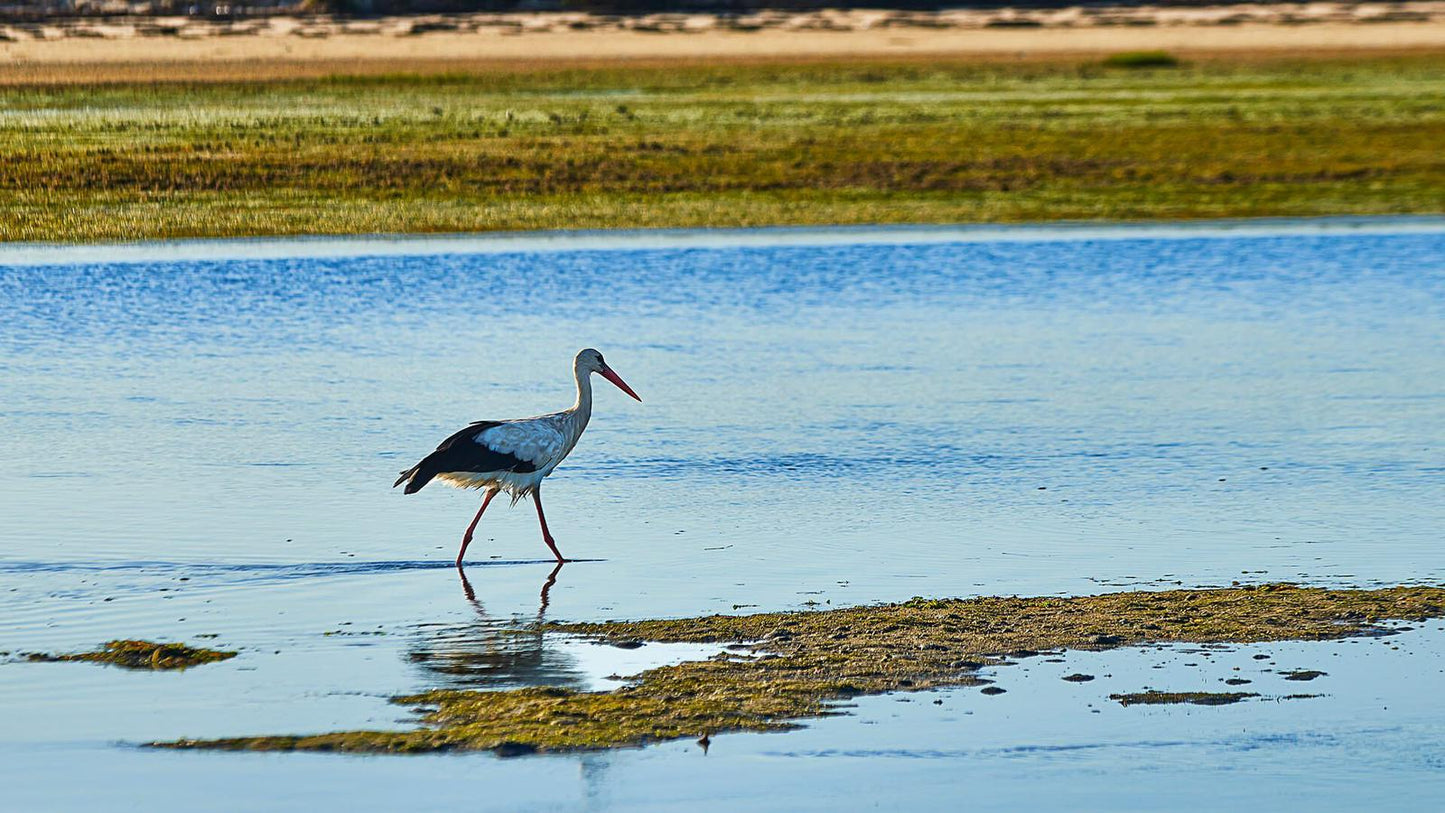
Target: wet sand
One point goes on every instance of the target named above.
(279, 47)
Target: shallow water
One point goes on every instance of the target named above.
(202, 445)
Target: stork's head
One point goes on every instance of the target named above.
(590, 361)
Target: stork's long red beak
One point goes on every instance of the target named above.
(617, 379)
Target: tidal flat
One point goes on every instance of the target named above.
(742, 143)
(804, 662)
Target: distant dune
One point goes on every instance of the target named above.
(129, 47)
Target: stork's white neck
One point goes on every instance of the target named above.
(582, 409)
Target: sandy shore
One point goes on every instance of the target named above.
(88, 51)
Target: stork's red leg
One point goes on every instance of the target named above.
(546, 534)
(467, 537)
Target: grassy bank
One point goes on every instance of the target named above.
(804, 662)
(724, 145)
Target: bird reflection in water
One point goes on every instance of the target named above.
(541, 609)
(492, 652)
(503, 653)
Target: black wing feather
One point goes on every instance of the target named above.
(455, 455)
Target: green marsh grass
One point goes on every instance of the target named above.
(723, 145)
(1142, 59)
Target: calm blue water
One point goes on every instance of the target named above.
(204, 446)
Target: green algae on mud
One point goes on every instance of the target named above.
(797, 665)
(133, 654)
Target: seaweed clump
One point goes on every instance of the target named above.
(1157, 698)
(797, 665)
(133, 654)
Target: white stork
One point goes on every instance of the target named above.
(514, 456)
